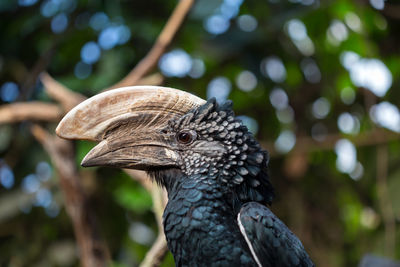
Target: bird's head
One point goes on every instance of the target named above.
(157, 128)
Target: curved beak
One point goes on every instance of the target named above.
(128, 122)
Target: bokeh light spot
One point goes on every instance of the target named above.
(43, 198)
(285, 141)
(219, 87)
(348, 59)
(321, 108)
(279, 99)
(30, 183)
(82, 70)
(386, 115)
(234, 2)
(49, 8)
(369, 218)
(43, 171)
(6, 176)
(141, 233)
(307, 2)
(228, 10)
(52, 210)
(348, 123)
(198, 68)
(273, 68)
(372, 74)
(124, 34)
(98, 21)
(27, 2)
(346, 156)
(250, 123)
(216, 24)
(109, 37)
(59, 23)
(337, 32)
(377, 4)
(347, 95)
(67, 5)
(357, 172)
(176, 63)
(297, 32)
(247, 23)
(310, 70)
(9, 92)
(90, 53)
(353, 22)
(285, 115)
(246, 81)
(296, 29)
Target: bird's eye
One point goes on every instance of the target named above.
(185, 137)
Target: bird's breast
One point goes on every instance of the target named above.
(201, 229)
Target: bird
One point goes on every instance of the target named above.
(212, 167)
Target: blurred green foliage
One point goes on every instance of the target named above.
(336, 213)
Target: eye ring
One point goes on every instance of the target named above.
(186, 137)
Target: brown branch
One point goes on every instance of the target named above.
(67, 98)
(159, 248)
(152, 79)
(93, 249)
(163, 40)
(157, 252)
(37, 111)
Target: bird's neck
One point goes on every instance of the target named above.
(200, 224)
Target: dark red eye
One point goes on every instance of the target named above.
(185, 137)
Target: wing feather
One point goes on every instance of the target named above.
(269, 240)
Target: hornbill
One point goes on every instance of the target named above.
(213, 169)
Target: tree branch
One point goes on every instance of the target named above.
(93, 250)
(159, 248)
(163, 40)
(67, 98)
(36, 111)
(157, 252)
(152, 79)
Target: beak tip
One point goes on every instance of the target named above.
(88, 161)
(84, 164)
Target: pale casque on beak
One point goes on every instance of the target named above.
(128, 123)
